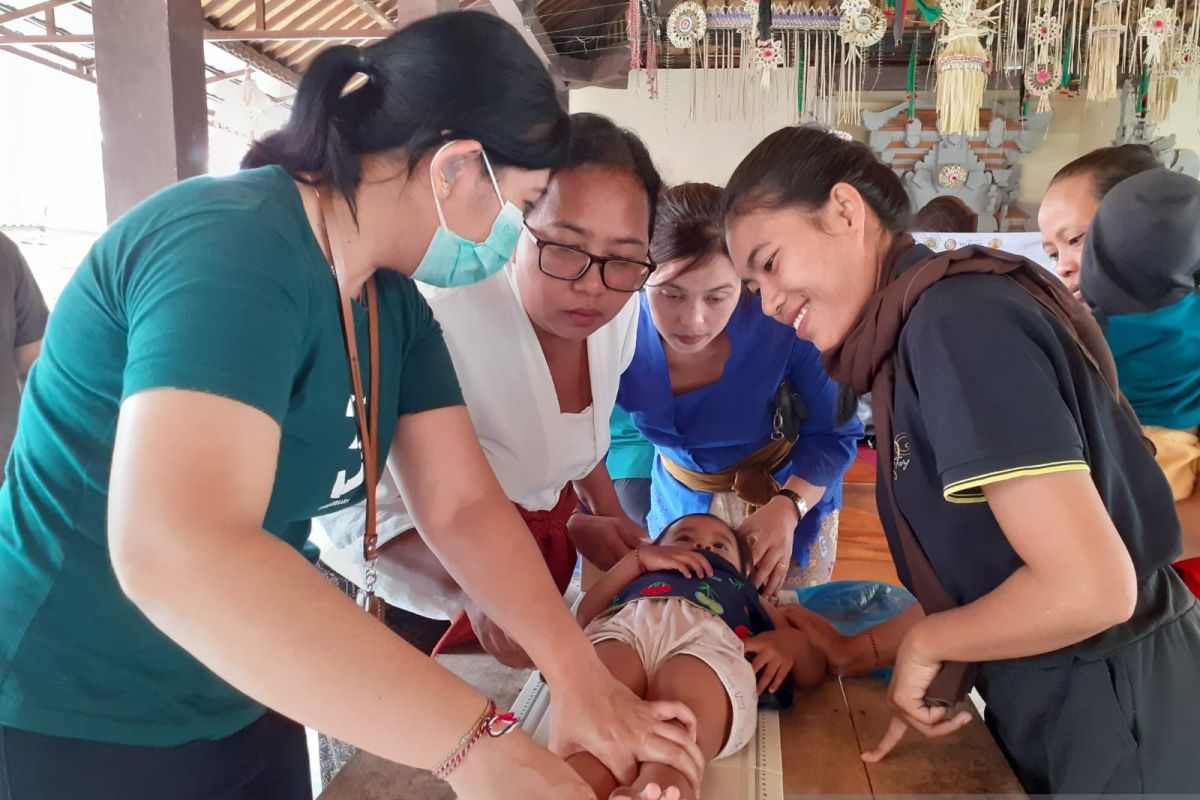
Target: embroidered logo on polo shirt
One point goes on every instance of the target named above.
(901, 455)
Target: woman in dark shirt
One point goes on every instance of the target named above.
(1018, 497)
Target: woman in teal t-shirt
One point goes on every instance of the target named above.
(194, 408)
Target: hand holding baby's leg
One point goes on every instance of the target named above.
(690, 681)
(626, 666)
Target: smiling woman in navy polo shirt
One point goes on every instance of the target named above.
(1018, 496)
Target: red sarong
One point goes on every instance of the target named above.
(1189, 570)
(549, 529)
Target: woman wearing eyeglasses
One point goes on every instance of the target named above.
(740, 410)
(539, 350)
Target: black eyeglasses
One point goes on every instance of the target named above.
(569, 263)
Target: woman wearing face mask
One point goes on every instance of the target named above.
(539, 350)
(194, 407)
(999, 421)
(739, 410)
(1074, 195)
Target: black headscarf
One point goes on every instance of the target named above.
(1143, 248)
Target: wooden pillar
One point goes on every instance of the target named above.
(153, 108)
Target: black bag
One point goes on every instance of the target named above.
(790, 412)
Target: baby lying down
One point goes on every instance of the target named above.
(677, 620)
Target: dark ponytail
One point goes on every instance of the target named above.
(461, 75)
(799, 166)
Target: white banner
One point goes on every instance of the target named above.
(1024, 244)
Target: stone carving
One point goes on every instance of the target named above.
(982, 170)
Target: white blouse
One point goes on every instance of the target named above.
(534, 448)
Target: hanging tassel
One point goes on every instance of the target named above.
(898, 22)
(801, 55)
(912, 81)
(633, 26)
(1104, 51)
(652, 53)
(1143, 93)
(1064, 85)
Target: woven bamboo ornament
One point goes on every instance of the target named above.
(1104, 50)
(1157, 29)
(861, 26)
(962, 65)
(1044, 64)
(687, 24)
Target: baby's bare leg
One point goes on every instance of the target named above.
(625, 665)
(688, 680)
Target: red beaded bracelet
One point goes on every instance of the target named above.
(490, 723)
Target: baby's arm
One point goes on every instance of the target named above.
(644, 558)
(601, 595)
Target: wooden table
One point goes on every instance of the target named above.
(820, 741)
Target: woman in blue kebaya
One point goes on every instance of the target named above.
(738, 408)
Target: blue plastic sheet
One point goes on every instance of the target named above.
(854, 606)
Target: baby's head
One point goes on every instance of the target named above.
(706, 532)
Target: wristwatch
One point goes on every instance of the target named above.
(799, 502)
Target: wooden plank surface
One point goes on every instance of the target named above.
(820, 751)
(964, 763)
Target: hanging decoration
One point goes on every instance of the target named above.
(911, 84)
(653, 50)
(1043, 67)
(1157, 30)
(861, 26)
(963, 65)
(633, 27)
(1189, 58)
(687, 24)
(1104, 50)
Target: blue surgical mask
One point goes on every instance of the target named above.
(454, 260)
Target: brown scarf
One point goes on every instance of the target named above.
(865, 360)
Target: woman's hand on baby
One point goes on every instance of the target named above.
(594, 712)
(773, 658)
(770, 531)
(662, 558)
(843, 654)
(605, 540)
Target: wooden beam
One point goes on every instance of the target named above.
(218, 35)
(51, 26)
(80, 71)
(334, 15)
(372, 11)
(257, 59)
(224, 76)
(29, 11)
(260, 14)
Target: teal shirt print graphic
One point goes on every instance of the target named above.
(726, 594)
